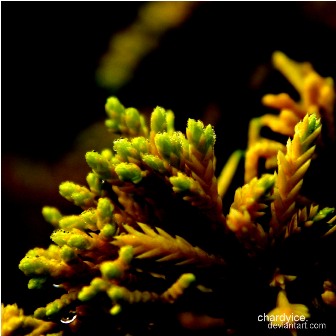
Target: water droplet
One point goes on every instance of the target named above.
(70, 318)
(58, 286)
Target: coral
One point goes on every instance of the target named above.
(151, 250)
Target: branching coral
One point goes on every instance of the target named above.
(152, 252)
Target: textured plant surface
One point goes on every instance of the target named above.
(151, 251)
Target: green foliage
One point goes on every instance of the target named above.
(51, 215)
(129, 172)
(101, 165)
(202, 138)
(80, 196)
(152, 234)
(158, 122)
(125, 121)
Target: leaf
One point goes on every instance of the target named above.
(164, 247)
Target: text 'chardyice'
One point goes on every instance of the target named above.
(281, 318)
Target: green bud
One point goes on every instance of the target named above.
(86, 220)
(99, 284)
(105, 208)
(60, 237)
(112, 125)
(36, 283)
(170, 121)
(33, 266)
(210, 137)
(304, 130)
(313, 124)
(67, 189)
(194, 131)
(94, 182)
(79, 195)
(108, 231)
(40, 313)
(116, 309)
(154, 162)
(115, 293)
(72, 221)
(90, 219)
(128, 172)
(143, 125)
(132, 119)
(201, 138)
(126, 254)
(87, 293)
(107, 154)
(187, 279)
(79, 241)
(53, 251)
(140, 144)
(125, 150)
(68, 254)
(110, 270)
(51, 215)
(176, 141)
(163, 144)
(83, 198)
(323, 213)
(99, 164)
(53, 307)
(114, 108)
(158, 121)
(126, 121)
(181, 182)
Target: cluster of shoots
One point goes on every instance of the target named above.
(151, 251)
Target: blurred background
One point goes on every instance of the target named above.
(60, 61)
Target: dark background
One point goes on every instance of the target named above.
(218, 60)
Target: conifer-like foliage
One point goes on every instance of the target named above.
(151, 251)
